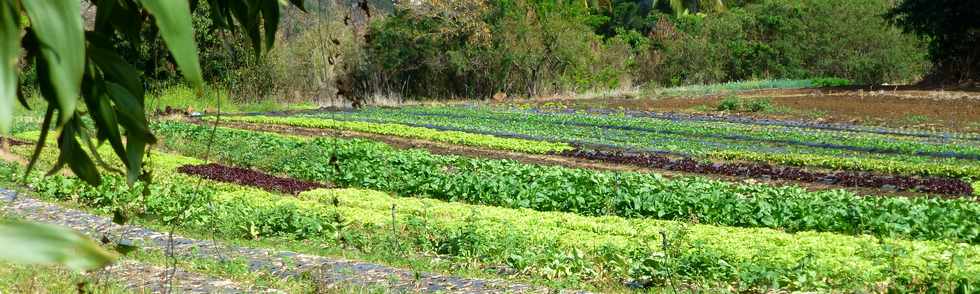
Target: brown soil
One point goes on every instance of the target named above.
(917, 109)
(449, 149)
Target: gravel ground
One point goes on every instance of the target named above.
(327, 272)
(145, 278)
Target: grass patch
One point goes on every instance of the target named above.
(698, 90)
(186, 98)
(17, 278)
(916, 119)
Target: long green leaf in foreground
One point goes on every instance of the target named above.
(174, 20)
(9, 53)
(30, 243)
(57, 24)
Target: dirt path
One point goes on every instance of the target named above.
(328, 273)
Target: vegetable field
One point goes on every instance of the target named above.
(627, 201)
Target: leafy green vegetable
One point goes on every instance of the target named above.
(510, 184)
(707, 140)
(540, 244)
(453, 137)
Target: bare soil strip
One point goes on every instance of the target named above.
(327, 272)
(555, 160)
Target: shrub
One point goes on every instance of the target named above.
(471, 49)
(787, 39)
(734, 103)
(730, 103)
(951, 27)
(759, 105)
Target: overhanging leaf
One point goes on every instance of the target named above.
(9, 52)
(270, 16)
(57, 24)
(74, 155)
(100, 108)
(173, 18)
(29, 243)
(299, 4)
(131, 117)
(119, 15)
(117, 70)
(45, 127)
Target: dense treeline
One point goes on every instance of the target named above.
(953, 30)
(452, 49)
(542, 47)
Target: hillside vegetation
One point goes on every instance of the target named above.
(519, 48)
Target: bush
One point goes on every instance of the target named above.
(471, 49)
(730, 103)
(759, 105)
(734, 103)
(317, 62)
(786, 39)
(951, 27)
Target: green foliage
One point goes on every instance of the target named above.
(735, 103)
(174, 19)
(184, 98)
(787, 39)
(831, 82)
(865, 164)
(18, 278)
(476, 50)
(29, 243)
(72, 64)
(730, 103)
(708, 140)
(759, 105)
(9, 53)
(510, 184)
(707, 89)
(546, 245)
(951, 28)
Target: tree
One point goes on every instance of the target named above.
(695, 6)
(952, 28)
(78, 67)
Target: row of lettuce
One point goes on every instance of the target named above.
(898, 172)
(549, 245)
(511, 184)
(659, 133)
(400, 130)
(801, 125)
(541, 143)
